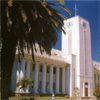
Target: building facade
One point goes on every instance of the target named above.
(64, 70)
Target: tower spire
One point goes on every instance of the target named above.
(75, 10)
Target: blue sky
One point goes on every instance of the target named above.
(88, 10)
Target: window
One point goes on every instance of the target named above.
(55, 54)
(53, 86)
(84, 24)
(48, 69)
(33, 84)
(41, 68)
(86, 83)
(54, 71)
(40, 83)
(47, 85)
(33, 67)
(25, 65)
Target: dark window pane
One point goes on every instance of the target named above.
(53, 86)
(54, 71)
(40, 85)
(48, 69)
(33, 67)
(47, 85)
(86, 83)
(41, 67)
(33, 84)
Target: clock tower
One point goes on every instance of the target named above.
(77, 44)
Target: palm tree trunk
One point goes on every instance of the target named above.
(7, 59)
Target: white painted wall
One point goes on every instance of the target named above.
(71, 75)
(80, 46)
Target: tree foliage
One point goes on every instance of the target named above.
(97, 90)
(24, 23)
(32, 21)
(24, 82)
(77, 92)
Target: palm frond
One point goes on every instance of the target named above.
(24, 82)
(35, 21)
(60, 1)
(62, 15)
(66, 9)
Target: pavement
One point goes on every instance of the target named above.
(75, 99)
(79, 99)
(71, 99)
(68, 99)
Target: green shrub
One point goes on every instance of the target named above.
(97, 90)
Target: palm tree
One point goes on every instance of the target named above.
(23, 83)
(77, 91)
(27, 22)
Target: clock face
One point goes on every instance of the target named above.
(84, 24)
(69, 24)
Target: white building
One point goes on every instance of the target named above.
(64, 70)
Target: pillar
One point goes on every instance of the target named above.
(57, 80)
(89, 89)
(13, 79)
(36, 77)
(51, 80)
(71, 80)
(22, 72)
(44, 79)
(83, 90)
(28, 73)
(22, 68)
(17, 76)
(67, 79)
(63, 80)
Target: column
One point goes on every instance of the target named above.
(71, 81)
(22, 72)
(44, 78)
(57, 80)
(13, 79)
(22, 68)
(89, 89)
(67, 79)
(17, 76)
(36, 77)
(83, 90)
(51, 80)
(63, 80)
(28, 73)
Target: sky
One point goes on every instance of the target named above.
(88, 10)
